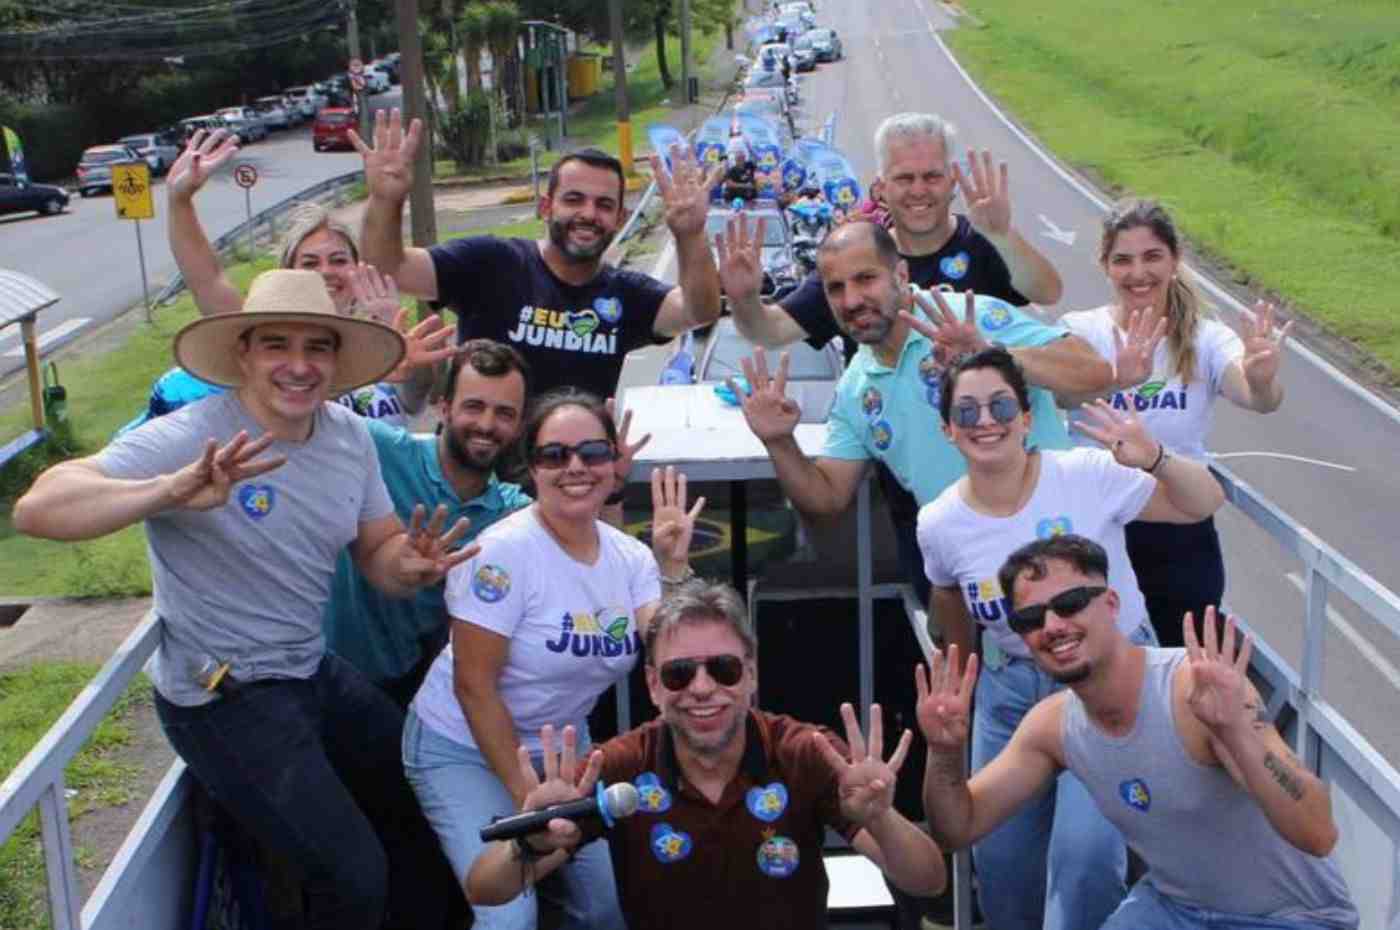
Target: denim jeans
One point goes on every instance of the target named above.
(1148, 907)
(310, 768)
(460, 793)
(1058, 863)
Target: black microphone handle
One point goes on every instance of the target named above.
(527, 822)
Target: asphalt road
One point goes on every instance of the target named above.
(894, 63)
(90, 257)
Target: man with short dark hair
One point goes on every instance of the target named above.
(572, 316)
(1172, 744)
(735, 802)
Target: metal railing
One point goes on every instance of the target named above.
(266, 218)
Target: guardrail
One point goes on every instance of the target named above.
(268, 218)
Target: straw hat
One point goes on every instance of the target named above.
(208, 347)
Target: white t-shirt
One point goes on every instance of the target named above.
(1177, 415)
(380, 402)
(1081, 491)
(572, 627)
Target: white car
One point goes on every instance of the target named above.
(307, 98)
(376, 80)
(245, 123)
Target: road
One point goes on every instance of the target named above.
(895, 63)
(90, 257)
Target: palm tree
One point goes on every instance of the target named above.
(472, 27)
(502, 29)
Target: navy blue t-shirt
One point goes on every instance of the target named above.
(502, 289)
(966, 261)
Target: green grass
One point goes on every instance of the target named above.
(105, 391)
(525, 229)
(30, 702)
(596, 122)
(1269, 127)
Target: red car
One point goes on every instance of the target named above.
(332, 128)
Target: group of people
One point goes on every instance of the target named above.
(375, 642)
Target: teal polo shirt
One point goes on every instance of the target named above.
(381, 636)
(891, 414)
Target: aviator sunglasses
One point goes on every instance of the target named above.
(725, 670)
(557, 455)
(1030, 618)
(1003, 408)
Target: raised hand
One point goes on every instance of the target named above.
(389, 164)
(201, 157)
(1220, 693)
(671, 524)
(429, 553)
(376, 295)
(1263, 345)
(987, 192)
(423, 344)
(206, 482)
(1133, 354)
(943, 702)
(626, 451)
(867, 782)
(741, 258)
(685, 191)
(770, 413)
(1120, 432)
(952, 336)
(563, 782)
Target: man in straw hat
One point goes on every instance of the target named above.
(244, 534)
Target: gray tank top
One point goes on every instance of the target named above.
(1204, 839)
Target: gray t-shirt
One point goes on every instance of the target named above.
(247, 583)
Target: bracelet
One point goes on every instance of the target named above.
(685, 576)
(1161, 457)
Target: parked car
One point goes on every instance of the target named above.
(376, 80)
(390, 66)
(309, 99)
(332, 128)
(160, 149)
(804, 55)
(245, 122)
(16, 197)
(826, 43)
(273, 112)
(95, 167)
(208, 122)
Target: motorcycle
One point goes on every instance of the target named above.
(810, 224)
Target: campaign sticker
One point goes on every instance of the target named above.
(767, 802)
(669, 844)
(491, 583)
(778, 857)
(652, 796)
(257, 500)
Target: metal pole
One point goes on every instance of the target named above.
(624, 115)
(561, 46)
(685, 51)
(352, 36)
(422, 216)
(248, 207)
(141, 258)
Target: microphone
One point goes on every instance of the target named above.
(619, 800)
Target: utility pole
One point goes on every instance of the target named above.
(422, 217)
(685, 51)
(624, 116)
(352, 35)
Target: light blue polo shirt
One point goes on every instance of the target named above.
(891, 414)
(382, 636)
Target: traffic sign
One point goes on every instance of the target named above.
(357, 81)
(131, 189)
(357, 66)
(245, 175)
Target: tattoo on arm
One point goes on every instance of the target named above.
(1283, 774)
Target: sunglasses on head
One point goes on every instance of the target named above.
(1030, 618)
(967, 413)
(725, 670)
(558, 455)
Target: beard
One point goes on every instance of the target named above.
(872, 333)
(711, 743)
(462, 454)
(559, 235)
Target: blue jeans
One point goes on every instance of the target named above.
(1058, 863)
(310, 768)
(1148, 907)
(460, 793)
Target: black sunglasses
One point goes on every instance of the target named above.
(557, 455)
(725, 670)
(1003, 408)
(1030, 618)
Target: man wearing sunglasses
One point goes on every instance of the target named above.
(1173, 745)
(735, 802)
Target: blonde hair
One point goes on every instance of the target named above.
(308, 218)
(1184, 308)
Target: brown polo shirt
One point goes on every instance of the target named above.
(752, 860)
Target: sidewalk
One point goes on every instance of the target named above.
(70, 631)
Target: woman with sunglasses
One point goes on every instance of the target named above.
(1172, 386)
(1059, 863)
(549, 615)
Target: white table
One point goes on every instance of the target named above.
(694, 430)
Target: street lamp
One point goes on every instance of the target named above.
(550, 49)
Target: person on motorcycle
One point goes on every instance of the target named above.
(739, 182)
(811, 218)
